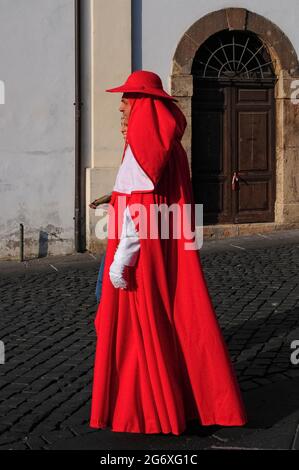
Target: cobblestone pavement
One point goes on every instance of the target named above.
(46, 319)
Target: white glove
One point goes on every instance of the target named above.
(116, 273)
(126, 253)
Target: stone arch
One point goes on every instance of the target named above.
(286, 66)
(279, 46)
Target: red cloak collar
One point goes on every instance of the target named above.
(154, 125)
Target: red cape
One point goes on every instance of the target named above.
(160, 356)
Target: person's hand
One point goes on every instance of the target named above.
(117, 275)
(101, 200)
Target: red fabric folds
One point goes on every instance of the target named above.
(161, 359)
(153, 126)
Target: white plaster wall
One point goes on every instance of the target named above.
(160, 24)
(110, 39)
(111, 65)
(37, 126)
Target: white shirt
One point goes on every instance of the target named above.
(130, 176)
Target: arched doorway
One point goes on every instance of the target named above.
(280, 186)
(233, 129)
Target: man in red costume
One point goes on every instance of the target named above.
(161, 359)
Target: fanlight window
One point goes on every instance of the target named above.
(235, 55)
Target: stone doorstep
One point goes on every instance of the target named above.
(218, 232)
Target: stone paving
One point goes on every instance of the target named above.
(46, 323)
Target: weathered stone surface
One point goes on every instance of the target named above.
(185, 53)
(236, 18)
(276, 39)
(290, 125)
(182, 85)
(184, 104)
(207, 25)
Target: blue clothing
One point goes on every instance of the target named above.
(100, 278)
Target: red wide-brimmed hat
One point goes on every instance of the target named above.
(143, 81)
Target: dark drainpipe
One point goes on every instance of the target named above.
(79, 213)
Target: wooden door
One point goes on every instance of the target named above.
(233, 133)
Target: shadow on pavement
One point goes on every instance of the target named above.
(272, 413)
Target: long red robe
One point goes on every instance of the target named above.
(161, 359)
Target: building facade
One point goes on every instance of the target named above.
(233, 67)
(37, 127)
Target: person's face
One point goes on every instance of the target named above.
(123, 127)
(125, 107)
